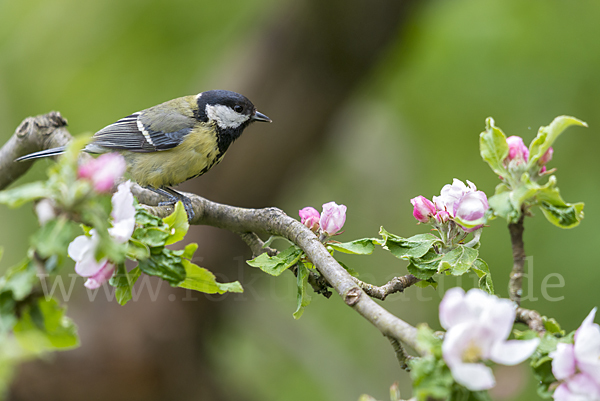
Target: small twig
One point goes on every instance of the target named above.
(256, 245)
(397, 284)
(531, 318)
(401, 355)
(518, 249)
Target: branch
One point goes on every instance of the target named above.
(401, 355)
(273, 221)
(397, 284)
(33, 134)
(47, 131)
(531, 318)
(515, 285)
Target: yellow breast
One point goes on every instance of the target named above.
(197, 154)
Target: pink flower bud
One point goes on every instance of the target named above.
(516, 148)
(103, 171)
(547, 156)
(442, 217)
(333, 218)
(423, 208)
(309, 216)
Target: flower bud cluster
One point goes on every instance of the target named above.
(456, 202)
(328, 223)
(518, 156)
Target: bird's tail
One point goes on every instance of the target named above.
(43, 153)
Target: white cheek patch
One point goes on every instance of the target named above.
(224, 116)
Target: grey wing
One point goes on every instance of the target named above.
(134, 134)
(122, 135)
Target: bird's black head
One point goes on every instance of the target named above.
(230, 112)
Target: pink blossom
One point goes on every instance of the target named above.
(423, 208)
(463, 202)
(83, 251)
(478, 325)
(517, 149)
(333, 218)
(103, 171)
(578, 365)
(309, 216)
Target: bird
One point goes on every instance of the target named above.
(174, 141)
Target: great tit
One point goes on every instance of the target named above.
(175, 141)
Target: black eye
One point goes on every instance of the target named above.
(238, 108)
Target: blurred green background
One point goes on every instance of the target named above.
(373, 103)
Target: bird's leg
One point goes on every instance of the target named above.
(174, 197)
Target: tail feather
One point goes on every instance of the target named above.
(43, 153)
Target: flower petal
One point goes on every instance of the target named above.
(474, 376)
(587, 347)
(514, 351)
(563, 361)
(452, 308)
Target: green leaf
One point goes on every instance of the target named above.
(481, 268)
(430, 261)
(362, 246)
(430, 375)
(152, 236)
(419, 273)
(178, 224)
(200, 279)
(146, 219)
(166, 265)
(275, 265)
(302, 297)
(427, 283)
(19, 280)
(493, 147)
(546, 137)
(54, 237)
(44, 326)
(413, 247)
(458, 260)
(7, 312)
(552, 326)
(189, 250)
(123, 281)
(137, 250)
(22, 194)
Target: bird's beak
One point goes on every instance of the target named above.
(258, 116)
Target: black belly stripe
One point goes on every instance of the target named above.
(215, 161)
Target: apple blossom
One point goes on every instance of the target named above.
(309, 216)
(83, 248)
(83, 251)
(103, 171)
(578, 365)
(333, 218)
(478, 325)
(423, 209)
